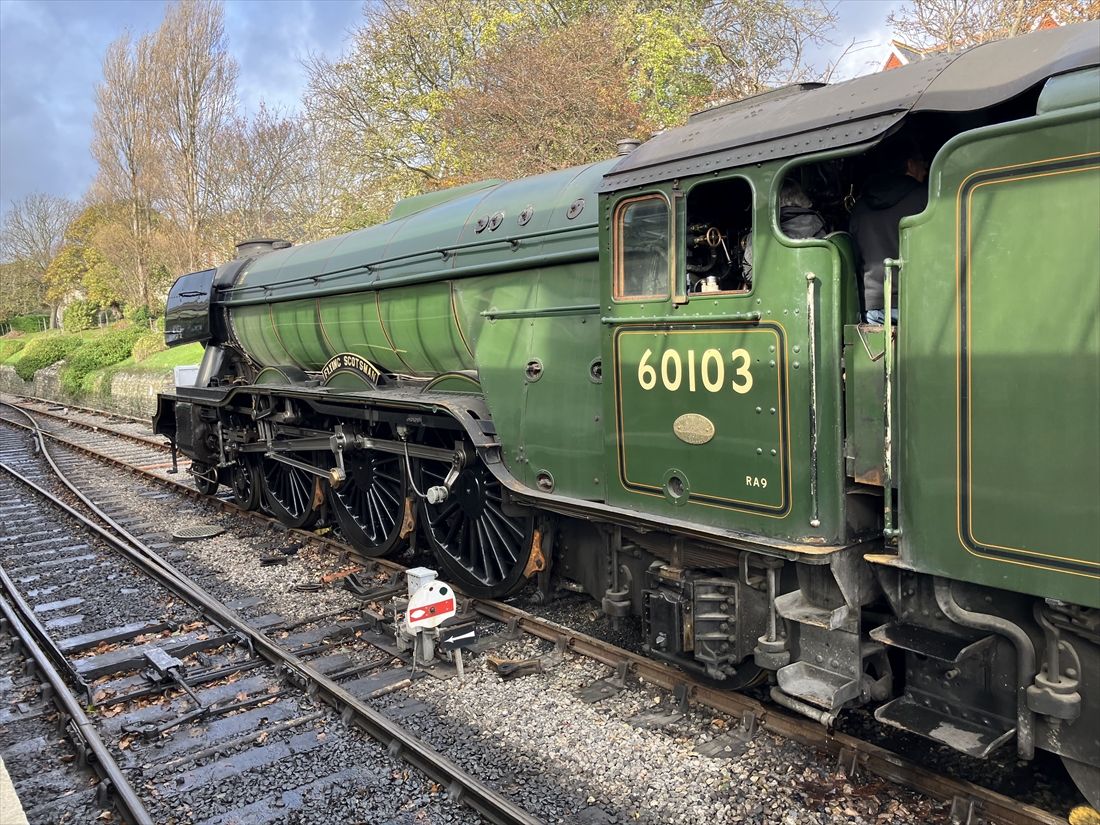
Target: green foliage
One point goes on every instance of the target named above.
(79, 316)
(21, 290)
(83, 265)
(148, 344)
(103, 351)
(10, 346)
(138, 315)
(29, 323)
(43, 351)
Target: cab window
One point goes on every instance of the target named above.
(718, 241)
(642, 246)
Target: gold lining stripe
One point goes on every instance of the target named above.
(332, 350)
(279, 338)
(385, 332)
(779, 511)
(458, 323)
(970, 373)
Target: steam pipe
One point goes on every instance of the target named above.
(1025, 658)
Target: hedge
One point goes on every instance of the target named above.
(79, 316)
(28, 323)
(148, 344)
(41, 352)
(109, 348)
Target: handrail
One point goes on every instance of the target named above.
(553, 259)
(890, 531)
(444, 251)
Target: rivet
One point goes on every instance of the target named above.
(759, 451)
(773, 452)
(797, 348)
(759, 410)
(773, 410)
(795, 365)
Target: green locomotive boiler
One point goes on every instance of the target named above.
(634, 377)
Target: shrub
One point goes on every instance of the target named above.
(148, 344)
(139, 316)
(10, 346)
(29, 323)
(41, 352)
(78, 316)
(109, 348)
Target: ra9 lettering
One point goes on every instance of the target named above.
(708, 369)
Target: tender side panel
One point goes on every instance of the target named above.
(1029, 376)
(999, 366)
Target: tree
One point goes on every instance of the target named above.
(431, 91)
(83, 266)
(195, 101)
(532, 106)
(124, 144)
(32, 233)
(762, 44)
(958, 24)
(262, 177)
(20, 290)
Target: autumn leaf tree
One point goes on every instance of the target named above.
(194, 104)
(125, 146)
(958, 24)
(31, 236)
(433, 93)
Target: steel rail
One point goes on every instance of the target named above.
(94, 410)
(462, 785)
(873, 758)
(82, 727)
(145, 441)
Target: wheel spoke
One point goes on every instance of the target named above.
(507, 522)
(490, 529)
(448, 508)
(508, 545)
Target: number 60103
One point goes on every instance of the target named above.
(708, 369)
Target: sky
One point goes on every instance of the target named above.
(51, 50)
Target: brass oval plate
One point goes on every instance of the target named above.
(692, 428)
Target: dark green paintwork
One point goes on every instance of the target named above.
(494, 307)
(1022, 200)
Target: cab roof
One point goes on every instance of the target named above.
(812, 117)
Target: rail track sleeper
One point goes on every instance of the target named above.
(72, 717)
(879, 761)
(486, 801)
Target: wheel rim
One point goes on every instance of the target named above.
(289, 493)
(206, 478)
(370, 503)
(483, 550)
(246, 492)
(1087, 779)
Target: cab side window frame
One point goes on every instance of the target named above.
(620, 274)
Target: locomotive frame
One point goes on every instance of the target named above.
(779, 491)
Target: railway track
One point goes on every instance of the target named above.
(968, 802)
(169, 668)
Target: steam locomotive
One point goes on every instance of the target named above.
(579, 376)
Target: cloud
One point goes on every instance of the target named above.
(50, 56)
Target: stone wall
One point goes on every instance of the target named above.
(130, 392)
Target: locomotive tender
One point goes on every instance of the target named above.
(579, 376)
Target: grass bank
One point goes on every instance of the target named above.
(121, 367)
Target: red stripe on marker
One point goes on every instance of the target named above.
(427, 611)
